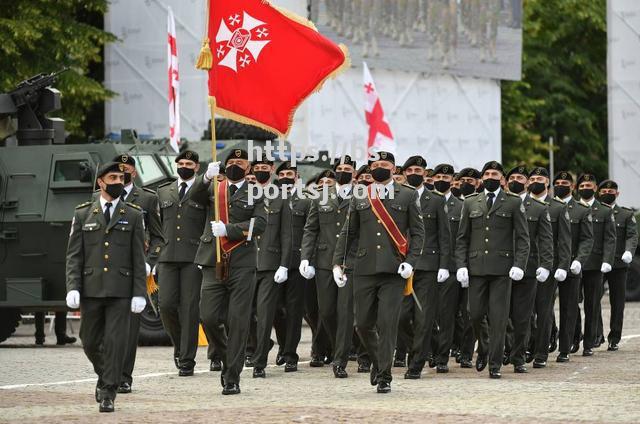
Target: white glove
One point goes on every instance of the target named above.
(73, 299)
(443, 274)
(137, 304)
(339, 277)
(304, 264)
(147, 268)
(405, 270)
(627, 257)
(605, 267)
(218, 228)
(213, 170)
(311, 272)
(463, 277)
(154, 271)
(575, 267)
(516, 274)
(281, 275)
(542, 274)
(560, 275)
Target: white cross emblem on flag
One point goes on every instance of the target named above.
(240, 44)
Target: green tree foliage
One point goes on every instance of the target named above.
(45, 35)
(563, 93)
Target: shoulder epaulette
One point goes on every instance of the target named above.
(553, 199)
(167, 183)
(627, 208)
(512, 195)
(409, 186)
(148, 190)
(83, 205)
(605, 205)
(435, 193)
(540, 201)
(134, 206)
(583, 205)
(471, 195)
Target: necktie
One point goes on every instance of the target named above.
(107, 213)
(232, 189)
(490, 197)
(123, 195)
(183, 190)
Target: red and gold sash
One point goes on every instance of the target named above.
(226, 244)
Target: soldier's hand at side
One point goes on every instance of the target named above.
(605, 267)
(213, 170)
(627, 257)
(463, 277)
(304, 264)
(281, 275)
(137, 304)
(405, 270)
(218, 228)
(575, 267)
(73, 299)
(443, 274)
(542, 274)
(560, 275)
(516, 274)
(339, 277)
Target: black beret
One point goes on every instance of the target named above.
(563, 175)
(470, 173)
(492, 165)
(456, 176)
(188, 155)
(125, 158)
(262, 162)
(237, 154)
(364, 169)
(388, 156)
(344, 160)
(608, 184)
(398, 171)
(586, 178)
(415, 161)
(325, 174)
(539, 170)
(110, 167)
(520, 169)
(284, 166)
(444, 168)
(429, 172)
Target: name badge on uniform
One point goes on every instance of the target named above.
(123, 222)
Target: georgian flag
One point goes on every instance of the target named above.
(380, 137)
(174, 84)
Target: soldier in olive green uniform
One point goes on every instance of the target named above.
(227, 292)
(626, 243)
(492, 251)
(581, 245)
(545, 293)
(183, 210)
(106, 277)
(431, 268)
(381, 265)
(599, 262)
(539, 266)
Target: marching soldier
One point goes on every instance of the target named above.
(398, 176)
(363, 176)
(626, 243)
(228, 286)
(491, 251)
(428, 179)
(385, 258)
(581, 245)
(106, 278)
(539, 266)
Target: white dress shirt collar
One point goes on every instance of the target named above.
(589, 202)
(497, 192)
(114, 203)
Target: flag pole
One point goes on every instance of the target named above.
(214, 158)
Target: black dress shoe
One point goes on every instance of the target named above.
(520, 369)
(259, 373)
(383, 387)
(231, 389)
(124, 387)
(442, 369)
(291, 367)
(529, 357)
(575, 347)
(248, 362)
(353, 356)
(328, 360)
(587, 352)
(553, 346)
(399, 362)
(458, 357)
(562, 357)
(613, 346)
(63, 340)
(176, 362)
(339, 372)
(215, 365)
(454, 353)
(185, 372)
(539, 363)
(412, 374)
(98, 395)
(373, 376)
(481, 362)
(495, 373)
(316, 362)
(280, 359)
(506, 358)
(39, 340)
(106, 405)
(364, 367)
(466, 363)
(432, 361)
(599, 341)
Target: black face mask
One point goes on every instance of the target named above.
(537, 188)
(186, 173)
(480, 188)
(586, 193)
(415, 180)
(491, 184)
(429, 186)
(443, 186)
(262, 176)
(515, 187)
(467, 189)
(234, 172)
(288, 181)
(344, 177)
(127, 178)
(114, 190)
(364, 182)
(608, 198)
(456, 192)
(381, 174)
(561, 191)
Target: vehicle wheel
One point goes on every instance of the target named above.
(633, 281)
(226, 129)
(152, 332)
(9, 321)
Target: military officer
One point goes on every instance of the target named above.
(106, 277)
(626, 243)
(469, 181)
(228, 285)
(539, 265)
(183, 210)
(384, 259)
(398, 176)
(581, 245)
(599, 262)
(455, 186)
(432, 267)
(363, 176)
(545, 292)
(428, 179)
(492, 251)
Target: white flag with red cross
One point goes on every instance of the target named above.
(380, 137)
(174, 84)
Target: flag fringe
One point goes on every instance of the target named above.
(205, 58)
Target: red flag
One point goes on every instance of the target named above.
(174, 84)
(266, 61)
(380, 135)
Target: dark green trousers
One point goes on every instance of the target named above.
(267, 292)
(426, 290)
(593, 285)
(449, 297)
(523, 299)
(545, 296)
(617, 290)
(569, 293)
(132, 349)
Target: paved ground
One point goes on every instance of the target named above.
(56, 385)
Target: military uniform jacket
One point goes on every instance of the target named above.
(561, 226)
(437, 236)
(240, 214)
(540, 236)
(375, 251)
(182, 220)
(299, 206)
(322, 229)
(581, 231)
(107, 259)
(604, 237)
(626, 234)
(454, 212)
(490, 242)
(274, 245)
